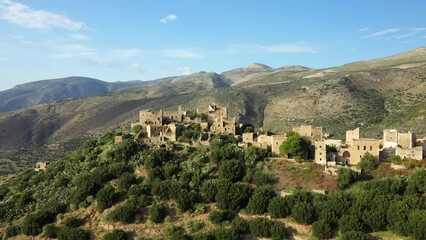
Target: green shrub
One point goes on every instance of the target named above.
(139, 189)
(233, 196)
(219, 216)
(416, 224)
(126, 180)
(186, 200)
(258, 177)
(351, 235)
(87, 184)
(222, 233)
(233, 170)
(368, 162)
(255, 154)
(11, 231)
(118, 168)
(259, 201)
(73, 222)
(260, 227)
(194, 226)
(51, 231)
(166, 189)
(3, 192)
(397, 217)
(105, 198)
(137, 128)
(176, 233)
(66, 233)
(395, 158)
(240, 225)
(143, 201)
(279, 207)
(279, 231)
(125, 213)
(418, 180)
(209, 190)
(321, 230)
(124, 150)
(204, 236)
(345, 177)
(115, 235)
(304, 213)
(34, 222)
(157, 213)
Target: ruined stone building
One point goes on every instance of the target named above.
(276, 141)
(321, 152)
(169, 125)
(169, 132)
(271, 143)
(173, 116)
(215, 112)
(404, 145)
(41, 166)
(121, 138)
(148, 117)
(224, 126)
(161, 126)
(312, 133)
(220, 123)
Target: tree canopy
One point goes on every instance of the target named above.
(295, 146)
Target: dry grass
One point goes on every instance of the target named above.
(306, 175)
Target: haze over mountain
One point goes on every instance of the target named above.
(376, 94)
(44, 91)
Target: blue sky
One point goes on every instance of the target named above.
(143, 40)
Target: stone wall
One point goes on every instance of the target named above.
(351, 135)
(390, 138)
(411, 153)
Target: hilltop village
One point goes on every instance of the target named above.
(195, 127)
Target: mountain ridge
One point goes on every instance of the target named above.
(43, 91)
(337, 99)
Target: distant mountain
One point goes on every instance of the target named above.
(44, 91)
(375, 94)
(237, 74)
(403, 60)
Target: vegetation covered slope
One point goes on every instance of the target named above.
(179, 192)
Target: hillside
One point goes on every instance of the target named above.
(45, 91)
(132, 191)
(389, 96)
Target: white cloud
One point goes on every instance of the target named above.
(73, 50)
(184, 70)
(363, 29)
(400, 36)
(380, 33)
(24, 16)
(127, 53)
(182, 53)
(417, 30)
(137, 67)
(79, 37)
(168, 18)
(296, 47)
